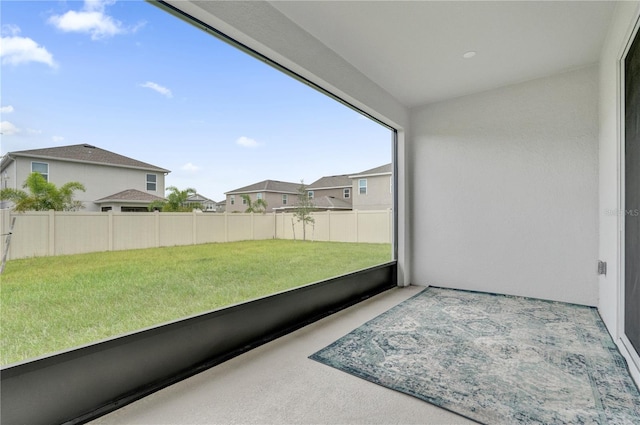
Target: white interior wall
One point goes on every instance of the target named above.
(609, 286)
(505, 190)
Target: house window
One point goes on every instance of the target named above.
(152, 182)
(310, 194)
(259, 196)
(233, 199)
(284, 199)
(362, 186)
(244, 200)
(42, 168)
(346, 193)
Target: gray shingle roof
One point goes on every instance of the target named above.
(130, 195)
(331, 182)
(327, 202)
(383, 169)
(199, 198)
(87, 153)
(268, 186)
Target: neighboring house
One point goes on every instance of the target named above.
(205, 203)
(275, 193)
(337, 189)
(113, 182)
(373, 189)
(221, 206)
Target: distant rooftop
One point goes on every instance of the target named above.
(329, 182)
(331, 203)
(383, 169)
(267, 186)
(85, 153)
(130, 195)
(199, 198)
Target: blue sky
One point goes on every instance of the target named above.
(130, 78)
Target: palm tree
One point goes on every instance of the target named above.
(176, 201)
(257, 206)
(43, 195)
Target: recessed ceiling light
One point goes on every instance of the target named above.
(469, 55)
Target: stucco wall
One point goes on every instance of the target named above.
(378, 194)
(505, 190)
(337, 193)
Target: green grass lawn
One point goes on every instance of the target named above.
(54, 303)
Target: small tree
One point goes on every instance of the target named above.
(303, 210)
(43, 195)
(257, 206)
(176, 201)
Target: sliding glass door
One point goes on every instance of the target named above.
(632, 196)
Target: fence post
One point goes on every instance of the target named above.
(253, 225)
(51, 251)
(357, 219)
(5, 215)
(226, 227)
(275, 225)
(156, 218)
(329, 225)
(110, 230)
(194, 229)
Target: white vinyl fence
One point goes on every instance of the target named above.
(49, 233)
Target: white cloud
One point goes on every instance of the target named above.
(93, 20)
(6, 109)
(8, 129)
(33, 131)
(160, 89)
(247, 142)
(190, 167)
(10, 29)
(57, 139)
(97, 5)
(16, 50)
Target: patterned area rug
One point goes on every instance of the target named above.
(494, 359)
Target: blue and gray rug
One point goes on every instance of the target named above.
(494, 359)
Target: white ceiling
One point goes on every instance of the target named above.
(413, 49)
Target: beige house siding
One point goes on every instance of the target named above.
(337, 193)
(379, 193)
(99, 180)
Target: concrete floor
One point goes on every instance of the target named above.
(277, 384)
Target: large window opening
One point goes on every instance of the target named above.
(171, 113)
